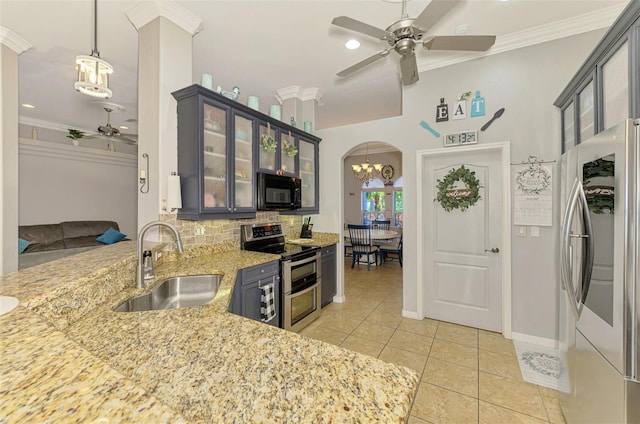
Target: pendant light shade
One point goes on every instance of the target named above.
(93, 72)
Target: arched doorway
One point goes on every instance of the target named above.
(378, 196)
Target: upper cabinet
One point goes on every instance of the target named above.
(221, 146)
(277, 150)
(606, 89)
(308, 171)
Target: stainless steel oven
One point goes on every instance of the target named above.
(299, 272)
(301, 276)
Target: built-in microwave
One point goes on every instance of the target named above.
(277, 192)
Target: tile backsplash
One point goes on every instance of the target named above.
(212, 232)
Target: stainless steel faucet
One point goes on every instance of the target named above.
(139, 249)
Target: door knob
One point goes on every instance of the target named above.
(492, 250)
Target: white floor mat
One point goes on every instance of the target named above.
(541, 365)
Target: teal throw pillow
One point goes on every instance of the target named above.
(111, 236)
(22, 244)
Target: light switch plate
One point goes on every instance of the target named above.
(522, 231)
(535, 231)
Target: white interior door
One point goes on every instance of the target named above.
(462, 252)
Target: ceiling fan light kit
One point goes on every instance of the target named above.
(93, 72)
(404, 34)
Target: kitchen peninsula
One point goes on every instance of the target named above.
(66, 356)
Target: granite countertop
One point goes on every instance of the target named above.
(67, 356)
(318, 239)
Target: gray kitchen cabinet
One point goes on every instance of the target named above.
(586, 112)
(215, 156)
(303, 164)
(328, 262)
(308, 173)
(615, 86)
(568, 133)
(247, 292)
(606, 88)
(220, 149)
(282, 154)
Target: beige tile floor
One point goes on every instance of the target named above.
(467, 375)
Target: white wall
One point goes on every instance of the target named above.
(8, 155)
(66, 183)
(525, 82)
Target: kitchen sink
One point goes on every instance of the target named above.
(174, 293)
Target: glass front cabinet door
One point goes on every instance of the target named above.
(243, 175)
(308, 171)
(277, 150)
(267, 147)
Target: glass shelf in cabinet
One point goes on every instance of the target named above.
(209, 177)
(214, 132)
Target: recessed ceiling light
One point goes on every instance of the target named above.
(462, 30)
(352, 44)
(124, 127)
(27, 106)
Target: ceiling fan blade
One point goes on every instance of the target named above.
(361, 27)
(433, 13)
(363, 63)
(409, 69)
(478, 43)
(126, 140)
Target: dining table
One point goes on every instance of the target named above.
(377, 234)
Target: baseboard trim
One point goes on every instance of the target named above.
(535, 340)
(338, 299)
(410, 314)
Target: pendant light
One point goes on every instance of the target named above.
(365, 171)
(93, 72)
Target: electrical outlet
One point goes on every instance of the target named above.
(158, 255)
(535, 231)
(522, 231)
(199, 230)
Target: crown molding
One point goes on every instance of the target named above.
(297, 92)
(51, 125)
(602, 18)
(14, 41)
(83, 154)
(143, 12)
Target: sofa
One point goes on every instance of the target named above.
(54, 241)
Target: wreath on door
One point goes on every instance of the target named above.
(451, 198)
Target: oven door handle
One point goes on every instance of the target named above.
(307, 290)
(313, 258)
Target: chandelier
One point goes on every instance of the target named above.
(365, 171)
(93, 72)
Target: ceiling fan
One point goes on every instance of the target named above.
(112, 133)
(404, 34)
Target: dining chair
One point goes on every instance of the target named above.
(347, 246)
(381, 224)
(361, 244)
(393, 248)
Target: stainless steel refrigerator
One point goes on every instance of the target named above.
(600, 266)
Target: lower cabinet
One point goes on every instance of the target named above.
(329, 276)
(247, 292)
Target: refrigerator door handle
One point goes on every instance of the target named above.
(565, 250)
(589, 242)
